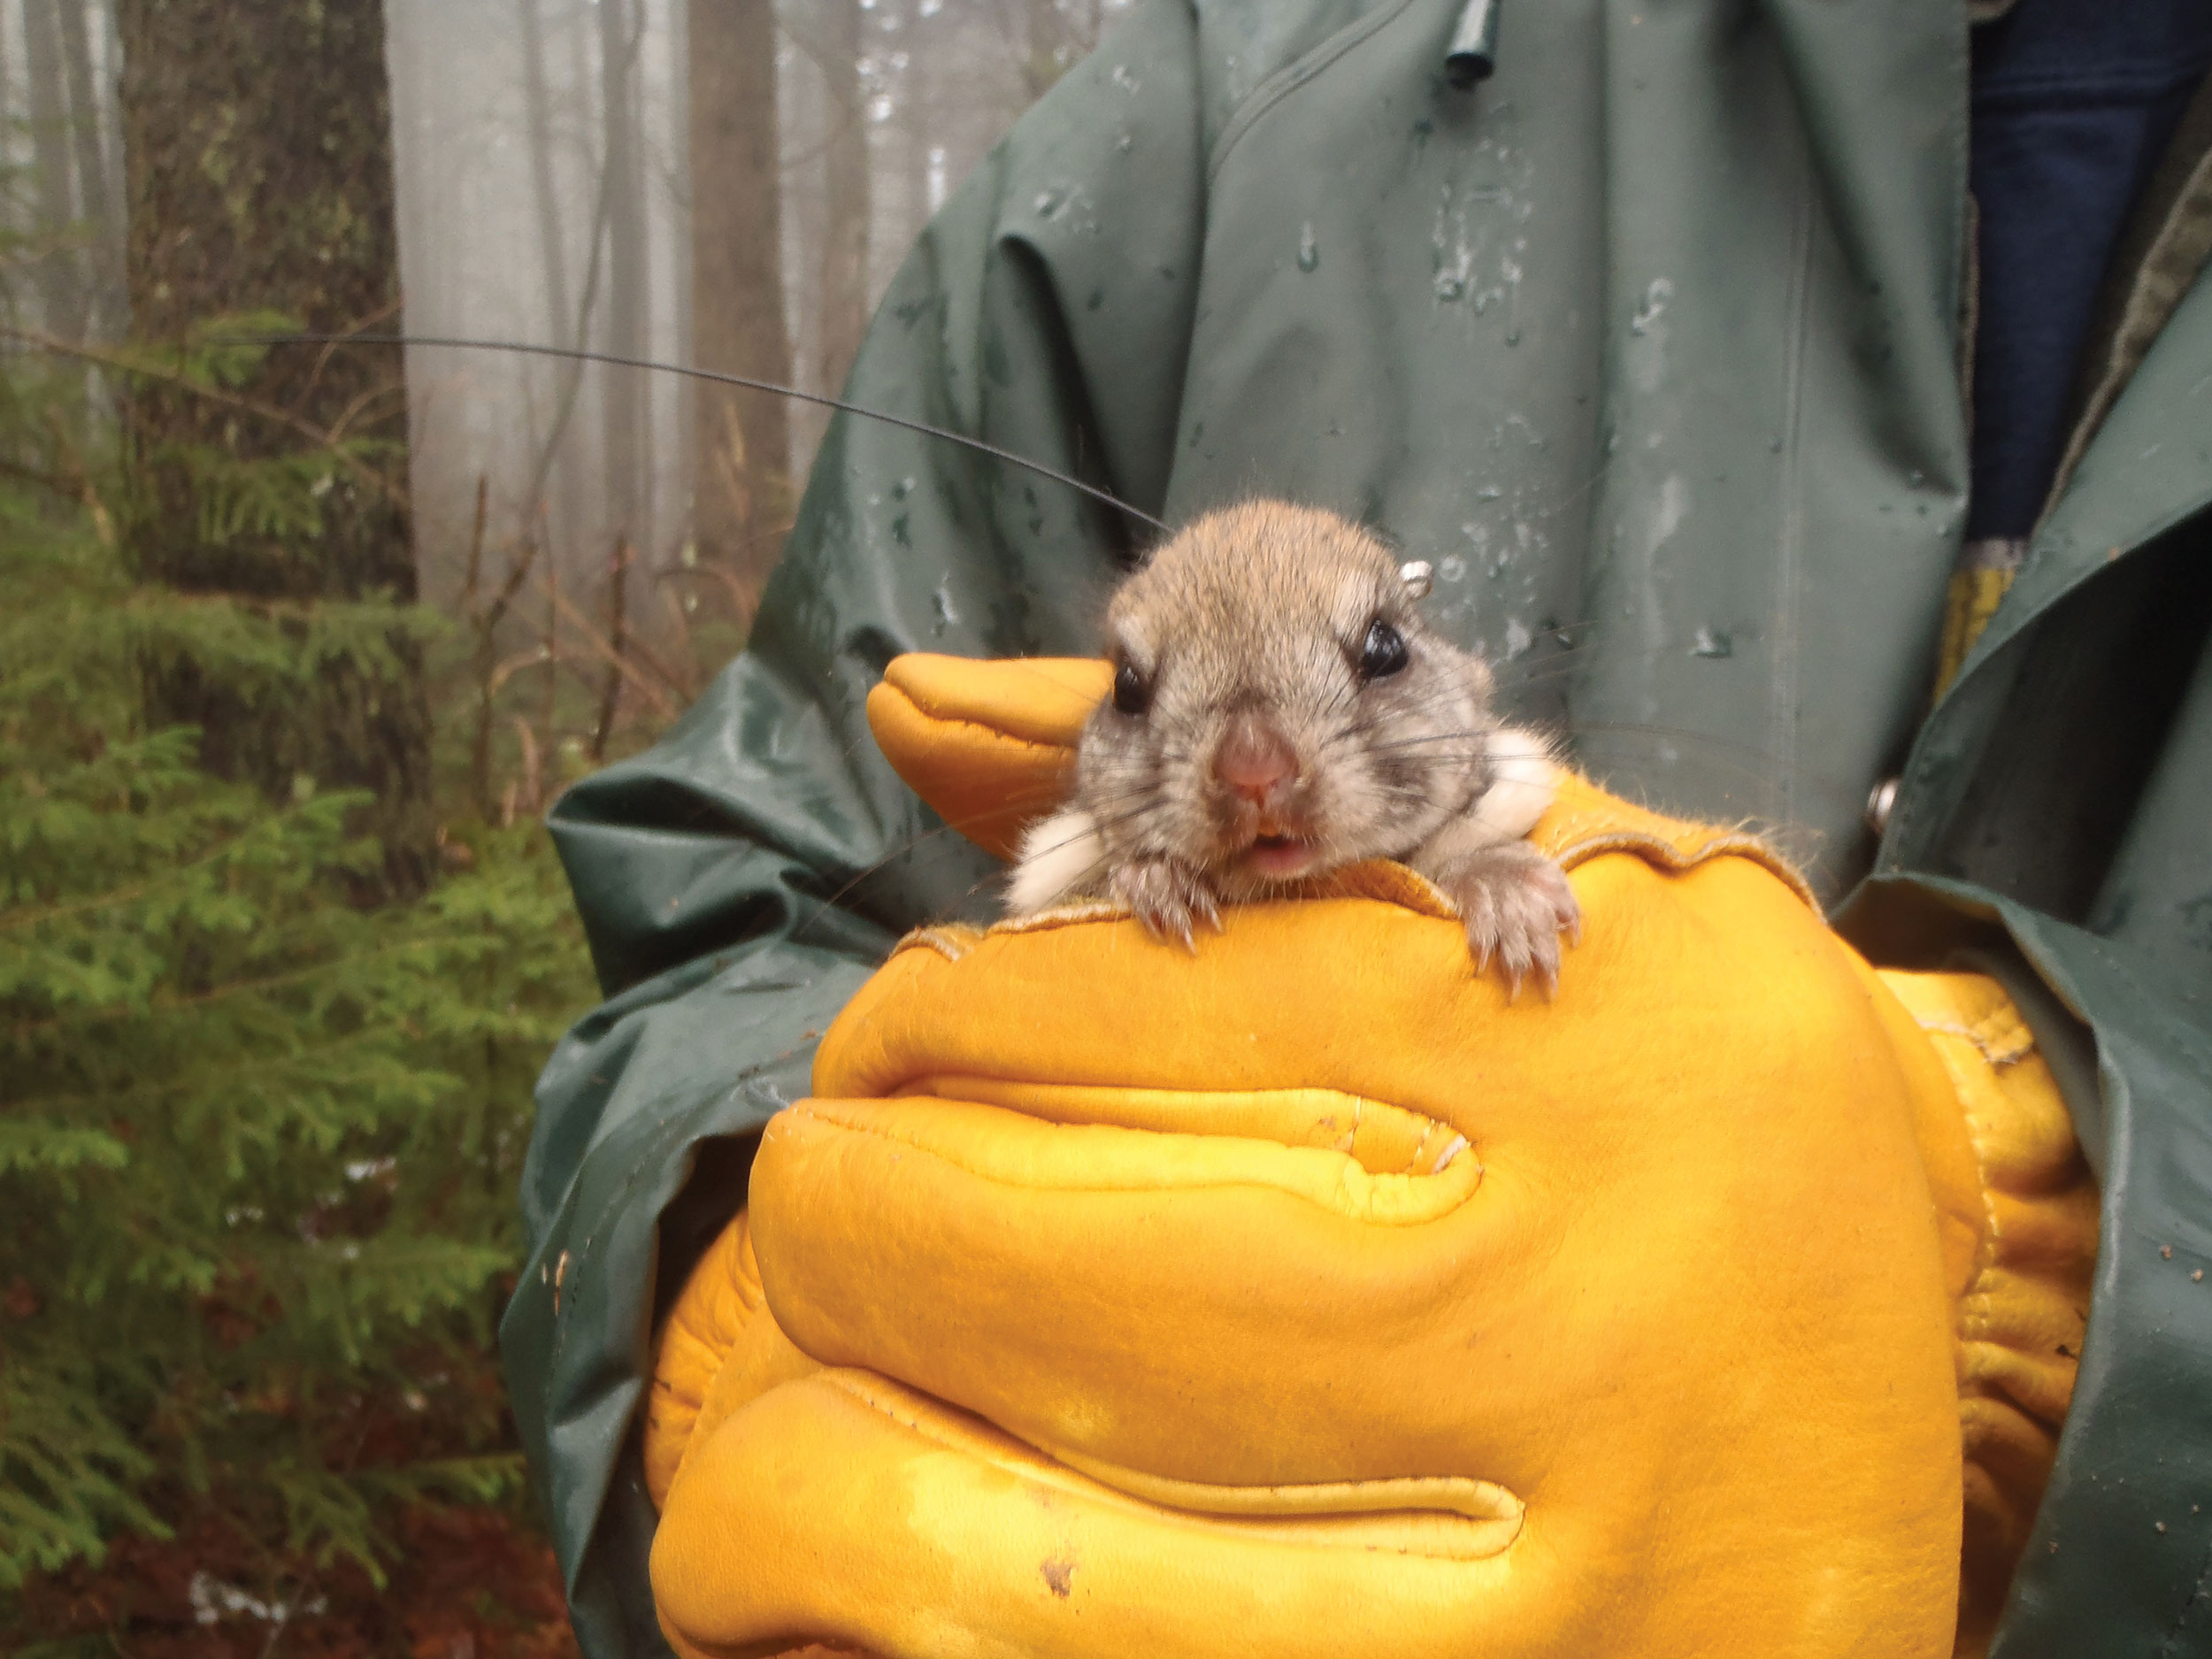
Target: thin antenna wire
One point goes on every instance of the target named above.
(717, 376)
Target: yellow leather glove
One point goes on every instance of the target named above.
(1308, 1298)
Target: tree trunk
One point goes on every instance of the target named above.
(627, 300)
(676, 344)
(739, 484)
(536, 104)
(566, 326)
(252, 189)
(61, 287)
(97, 209)
(845, 228)
(917, 119)
(1046, 35)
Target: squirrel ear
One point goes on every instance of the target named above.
(1418, 578)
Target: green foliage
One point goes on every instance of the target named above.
(229, 351)
(258, 1144)
(273, 498)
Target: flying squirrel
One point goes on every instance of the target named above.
(1280, 711)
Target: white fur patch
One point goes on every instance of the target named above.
(1523, 781)
(1057, 854)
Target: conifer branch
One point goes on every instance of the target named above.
(170, 876)
(123, 364)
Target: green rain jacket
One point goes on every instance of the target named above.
(1651, 344)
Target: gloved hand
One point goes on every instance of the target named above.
(1307, 1297)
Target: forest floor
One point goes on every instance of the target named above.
(470, 1583)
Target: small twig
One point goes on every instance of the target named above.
(481, 751)
(532, 771)
(552, 640)
(677, 618)
(618, 597)
(476, 540)
(533, 657)
(69, 485)
(518, 570)
(744, 598)
(591, 637)
(685, 685)
(360, 326)
(352, 412)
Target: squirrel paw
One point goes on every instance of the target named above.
(1516, 903)
(1170, 899)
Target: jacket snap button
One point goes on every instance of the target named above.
(1878, 803)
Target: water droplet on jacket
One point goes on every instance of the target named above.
(1488, 492)
(1124, 141)
(1710, 641)
(1048, 203)
(1308, 249)
(1512, 336)
(1655, 298)
(1452, 568)
(1450, 286)
(1915, 478)
(1517, 638)
(946, 614)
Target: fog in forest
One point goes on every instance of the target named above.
(559, 165)
(712, 182)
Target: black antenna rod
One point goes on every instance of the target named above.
(577, 355)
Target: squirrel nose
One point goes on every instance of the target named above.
(1255, 761)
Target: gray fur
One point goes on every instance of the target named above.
(1257, 613)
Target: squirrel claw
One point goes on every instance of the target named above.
(1515, 913)
(1168, 898)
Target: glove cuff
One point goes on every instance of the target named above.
(2025, 1305)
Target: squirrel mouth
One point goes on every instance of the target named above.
(1279, 856)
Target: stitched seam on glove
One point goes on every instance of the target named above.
(1349, 1179)
(951, 942)
(1383, 1502)
(1673, 857)
(1154, 1111)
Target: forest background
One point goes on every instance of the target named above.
(297, 644)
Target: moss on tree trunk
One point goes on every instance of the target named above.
(741, 490)
(257, 142)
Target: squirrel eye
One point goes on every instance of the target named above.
(1383, 652)
(1130, 695)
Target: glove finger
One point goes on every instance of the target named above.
(990, 745)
